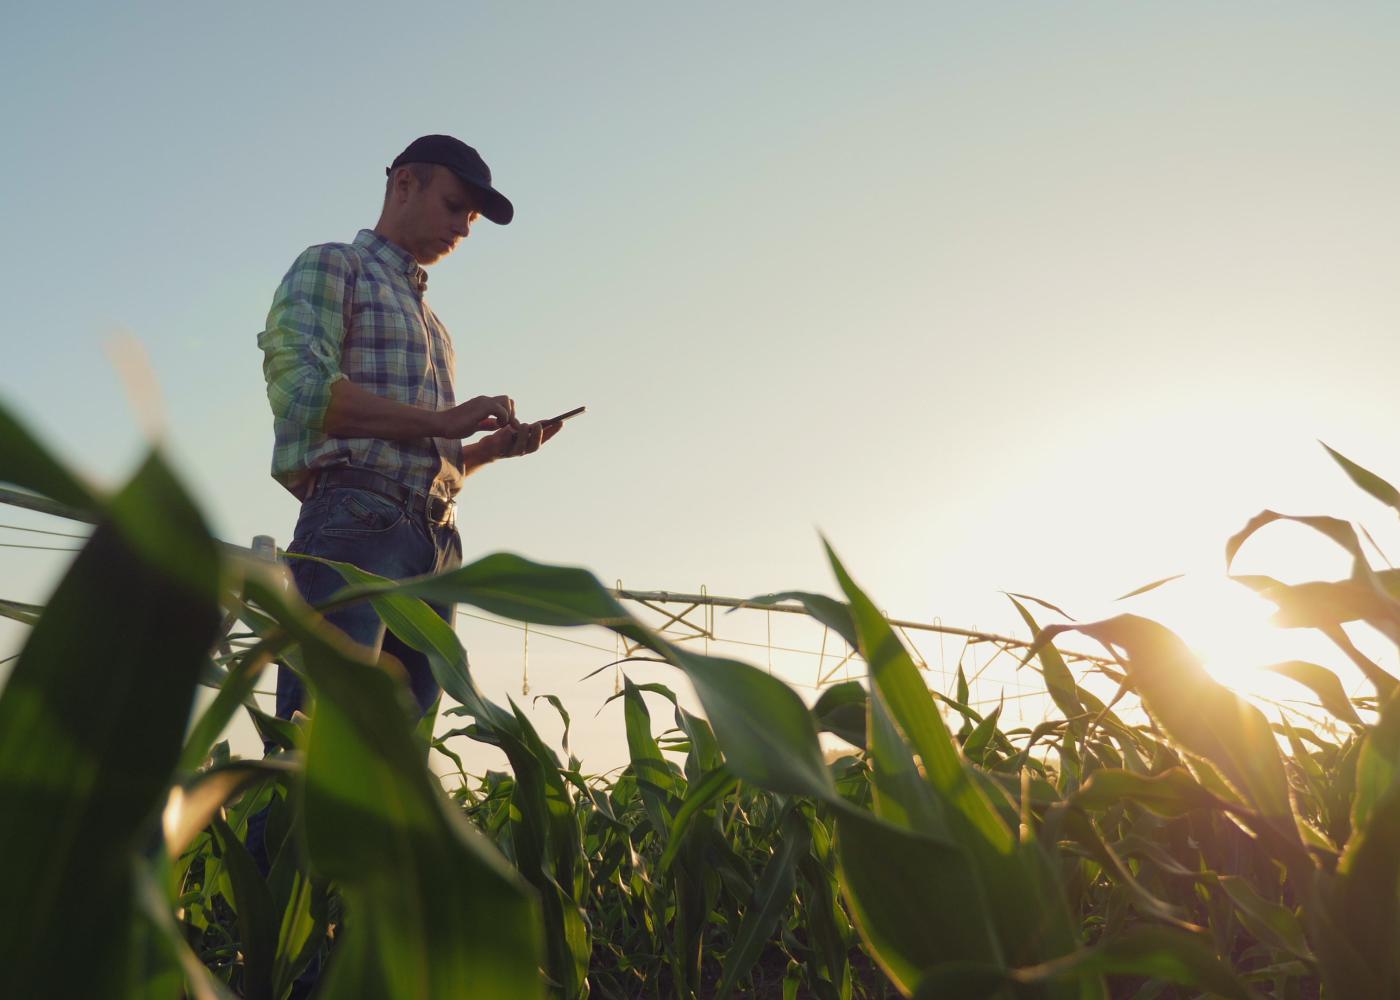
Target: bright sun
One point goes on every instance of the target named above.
(1231, 629)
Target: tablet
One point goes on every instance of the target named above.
(565, 416)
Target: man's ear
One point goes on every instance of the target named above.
(400, 183)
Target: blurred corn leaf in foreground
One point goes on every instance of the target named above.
(91, 727)
(91, 721)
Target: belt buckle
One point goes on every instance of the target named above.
(449, 512)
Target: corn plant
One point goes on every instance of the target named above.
(1196, 848)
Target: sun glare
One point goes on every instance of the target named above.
(1231, 630)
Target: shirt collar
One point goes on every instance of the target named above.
(394, 257)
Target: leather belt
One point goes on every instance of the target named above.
(438, 510)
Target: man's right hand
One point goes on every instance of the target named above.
(482, 413)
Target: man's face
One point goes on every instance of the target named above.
(439, 216)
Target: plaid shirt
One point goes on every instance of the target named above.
(356, 311)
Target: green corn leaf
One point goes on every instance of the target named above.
(1148, 587)
(825, 920)
(1356, 917)
(896, 883)
(190, 808)
(1016, 891)
(704, 755)
(545, 841)
(827, 610)
(912, 707)
(768, 736)
(406, 614)
(654, 688)
(1346, 971)
(563, 714)
(1016, 598)
(1059, 682)
(1202, 717)
(983, 735)
(1160, 954)
(772, 895)
(303, 905)
(1367, 480)
(545, 845)
(78, 783)
(517, 588)
(792, 980)
(841, 710)
(654, 777)
(1321, 603)
(698, 797)
(435, 910)
(1171, 793)
(1070, 823)
(1326, 605)
(1377, 767)
(1323, 683)
(154, 911)
(257, 921)
(28, 464)
(1270, 922)
(1142, 848)
(1369, 894)
(1339, 531)
(236, 690)
(901, 794)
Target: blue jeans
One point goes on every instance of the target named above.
(379, 535)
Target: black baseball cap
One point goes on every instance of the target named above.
(467, 164)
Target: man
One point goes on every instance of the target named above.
(359, 370)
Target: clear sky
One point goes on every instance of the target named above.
(1024, 296)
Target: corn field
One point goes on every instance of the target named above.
(1171, 841)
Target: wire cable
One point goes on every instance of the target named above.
(741, 642)
(548, 635)
(41, 531)
(41, 548)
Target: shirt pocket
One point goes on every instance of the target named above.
(386, 348)
(377, 302)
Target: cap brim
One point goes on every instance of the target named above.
(494, 205)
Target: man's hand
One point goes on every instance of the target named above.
(482, 413)
(524, 439)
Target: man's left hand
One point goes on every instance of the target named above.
(525, 439)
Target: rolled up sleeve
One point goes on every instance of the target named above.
(305, 332)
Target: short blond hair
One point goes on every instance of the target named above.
(422, 173)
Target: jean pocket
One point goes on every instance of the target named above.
(353, 512)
